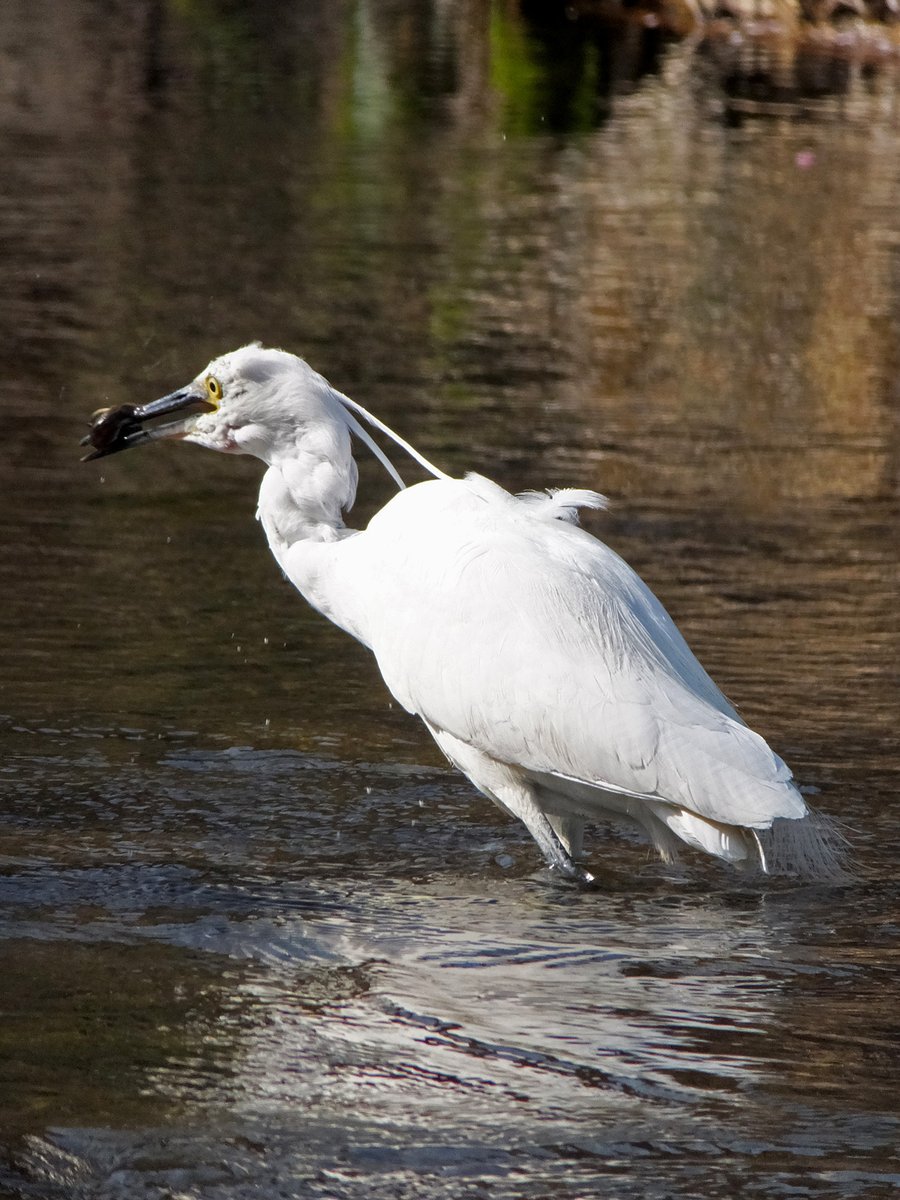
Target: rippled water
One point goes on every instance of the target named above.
(256, 939)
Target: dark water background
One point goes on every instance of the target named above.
(257, 940)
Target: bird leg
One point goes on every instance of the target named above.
(520, 801)
(570, 831)
(552, 848)
(506, 786)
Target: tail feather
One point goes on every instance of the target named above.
(729, 842)
(811, 848)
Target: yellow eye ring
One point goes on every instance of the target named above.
(213, 390)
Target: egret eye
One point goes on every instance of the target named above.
(213, 390)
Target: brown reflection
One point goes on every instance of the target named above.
(104, 1034)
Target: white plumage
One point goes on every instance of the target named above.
(545, 669)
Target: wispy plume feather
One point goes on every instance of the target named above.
(361, 433)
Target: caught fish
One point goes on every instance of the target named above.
(111, 430)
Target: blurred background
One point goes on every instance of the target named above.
(255, 938)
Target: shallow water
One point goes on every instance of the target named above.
(256, 939)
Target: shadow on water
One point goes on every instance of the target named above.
(255, 939)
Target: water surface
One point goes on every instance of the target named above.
(256, 939)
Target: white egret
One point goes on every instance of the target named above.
(542, 665)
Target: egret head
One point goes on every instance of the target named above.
(250, 401)
(253, 401)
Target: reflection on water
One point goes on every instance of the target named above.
(255, 939)
(260, 992)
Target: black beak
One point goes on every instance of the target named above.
(115, 429)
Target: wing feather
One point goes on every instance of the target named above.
(534, 642)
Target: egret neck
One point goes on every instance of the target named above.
(302, 500)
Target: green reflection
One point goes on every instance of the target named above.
(514, 72)
(557, 68)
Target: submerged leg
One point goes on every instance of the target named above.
(506, 787)
(521, 802)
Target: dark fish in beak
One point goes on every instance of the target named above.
(115, 429)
